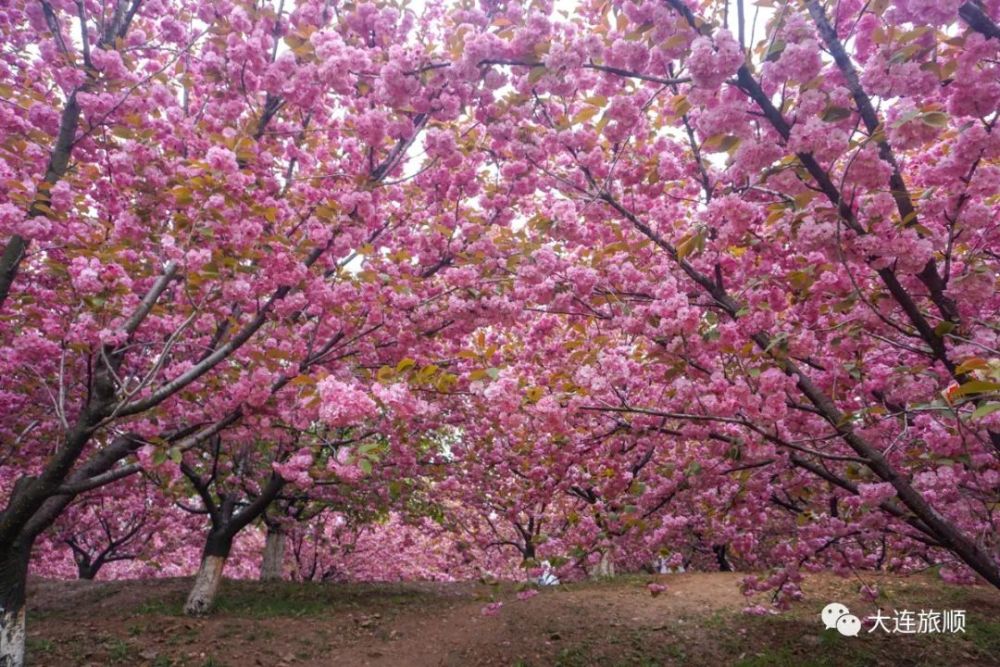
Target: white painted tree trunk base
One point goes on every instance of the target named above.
(272, 565)
(605, 568)
(12, 635)
(206, 585)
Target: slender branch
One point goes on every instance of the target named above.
(978, 20)
(148, 301)
(76, 488)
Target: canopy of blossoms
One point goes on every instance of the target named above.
(377, 291)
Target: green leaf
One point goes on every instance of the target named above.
(774, 51)
(906, 118)
(970, 365)
(985, 409)
(426, 373)
(585, 114)
(944, 328)
(690, 244)
(681, 105)
(976, 387)
(721, 143)
(833, 114)
(368, 448)
(935, 118)
(536, 74)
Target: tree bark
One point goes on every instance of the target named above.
(273, 564)
(606, 567)
(13, 253)
(979, 20)
(86, 571)
(206, 583)
(13, 582)
(720, 557)
(17, 246)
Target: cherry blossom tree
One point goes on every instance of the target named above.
(175, 227)
(815, 291)
(114, 524)
(700, 277)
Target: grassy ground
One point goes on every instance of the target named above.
(697, 621)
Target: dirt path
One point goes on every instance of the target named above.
(697, 621)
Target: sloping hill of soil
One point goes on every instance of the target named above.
(697, 621)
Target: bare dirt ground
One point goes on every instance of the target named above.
(697, 621)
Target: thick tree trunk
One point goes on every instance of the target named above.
(721, 558)
(13, 580)
(206, 583)
(11, 259)
(12, 633)
(206, 586)
(85, 567)
(273, 564)
(528, 553)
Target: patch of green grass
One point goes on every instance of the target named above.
(984, 635)
(287, 599)
(575, 656)
(118, 651)
(253, 606)
(37, 645)
(291, 599)
(781, 657)
(675, 651)
(294, 600)
(93, 594)
(829, 655)
(182, 635)
(645, 661)
(166, 606)
(617, 581)
(718, 620)
(654, 653)
(787, 642)
(640, 647)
